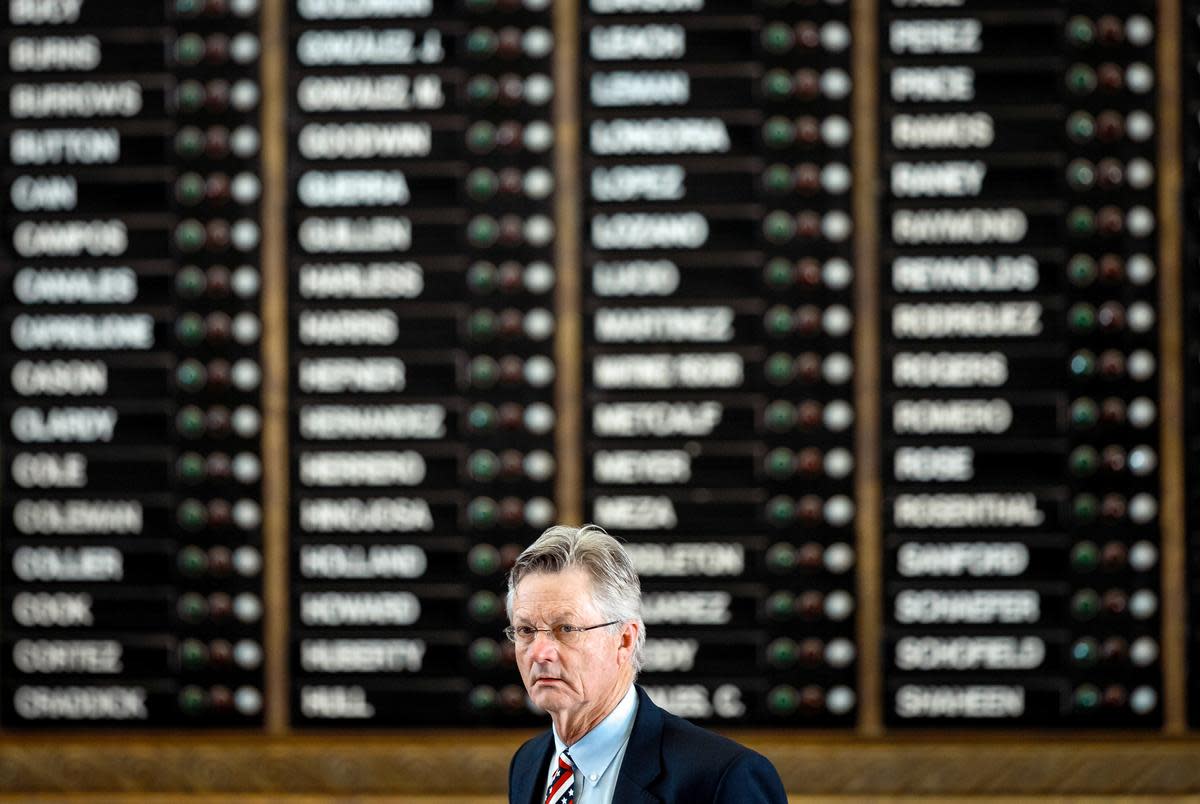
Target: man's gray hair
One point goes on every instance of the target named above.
(616, 589)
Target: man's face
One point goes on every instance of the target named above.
(562, 679)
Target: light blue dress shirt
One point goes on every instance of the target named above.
(598, 754)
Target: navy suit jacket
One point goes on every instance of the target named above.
(667, 761)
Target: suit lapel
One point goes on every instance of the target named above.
(527, 787)
(642, 763)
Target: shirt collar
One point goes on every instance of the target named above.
(594, 752)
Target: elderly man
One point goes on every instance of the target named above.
(574, 604)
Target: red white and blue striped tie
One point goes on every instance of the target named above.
(562, 784)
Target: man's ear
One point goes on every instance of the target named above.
(629, 635)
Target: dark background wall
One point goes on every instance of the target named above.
(869, 326)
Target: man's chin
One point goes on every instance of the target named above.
(549, 695)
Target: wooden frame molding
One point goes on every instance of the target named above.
(431, 764)
(276, 328)
(1172, 378)
(568, 357)
(867, 361)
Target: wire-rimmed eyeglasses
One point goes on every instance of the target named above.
(563, 633)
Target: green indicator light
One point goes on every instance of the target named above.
(482, 417)
(777, 179)
(190, 467)
(191, 700)
(190, 282)
(482, 231)
(781, 510)
(191, 515)
(779, 463)
(1081, 318)
(481, 512)
(1084, 461)
(777, 273)
(188, 8)
(189, 422)
(189, 49)
(483, 698)
(782, 652)
(1081, 174)
(1085, 557)
(481, 326)
(1080, 31)
(779, 416)
(779, 227)
(1081, 126)
(483, 466)
(1081, 79)
(482, 184)
(481, 137)
(1081, 270)
(1081, 222)
(189, 236)
(192, 654)
(482, 90)
(189, 189)
(1084, 413)
(481, 42)
(189, 329)
(481, 278)
(780, 605)
(483, 559)
(484, 605)
(1087, 697)
(1085, 604)
(777, 84)
(777, 321)
(779, 132)
(192, 561)
(778, 369)
(1083, 363)
(191, 607)
(783, 700)
(189, 142)
(1084, 508)
(484, 653)
(781, 557)
(190, 96)
(190, 375)
(778, 38)
(484, 371)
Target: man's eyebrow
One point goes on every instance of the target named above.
(554, 617)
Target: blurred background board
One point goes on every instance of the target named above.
(870, 326)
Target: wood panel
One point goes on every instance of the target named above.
(1172, 376)
(867, 403)
(568, 342)
(276, 474)
(432, 764)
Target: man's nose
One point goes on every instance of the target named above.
(543, 647)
